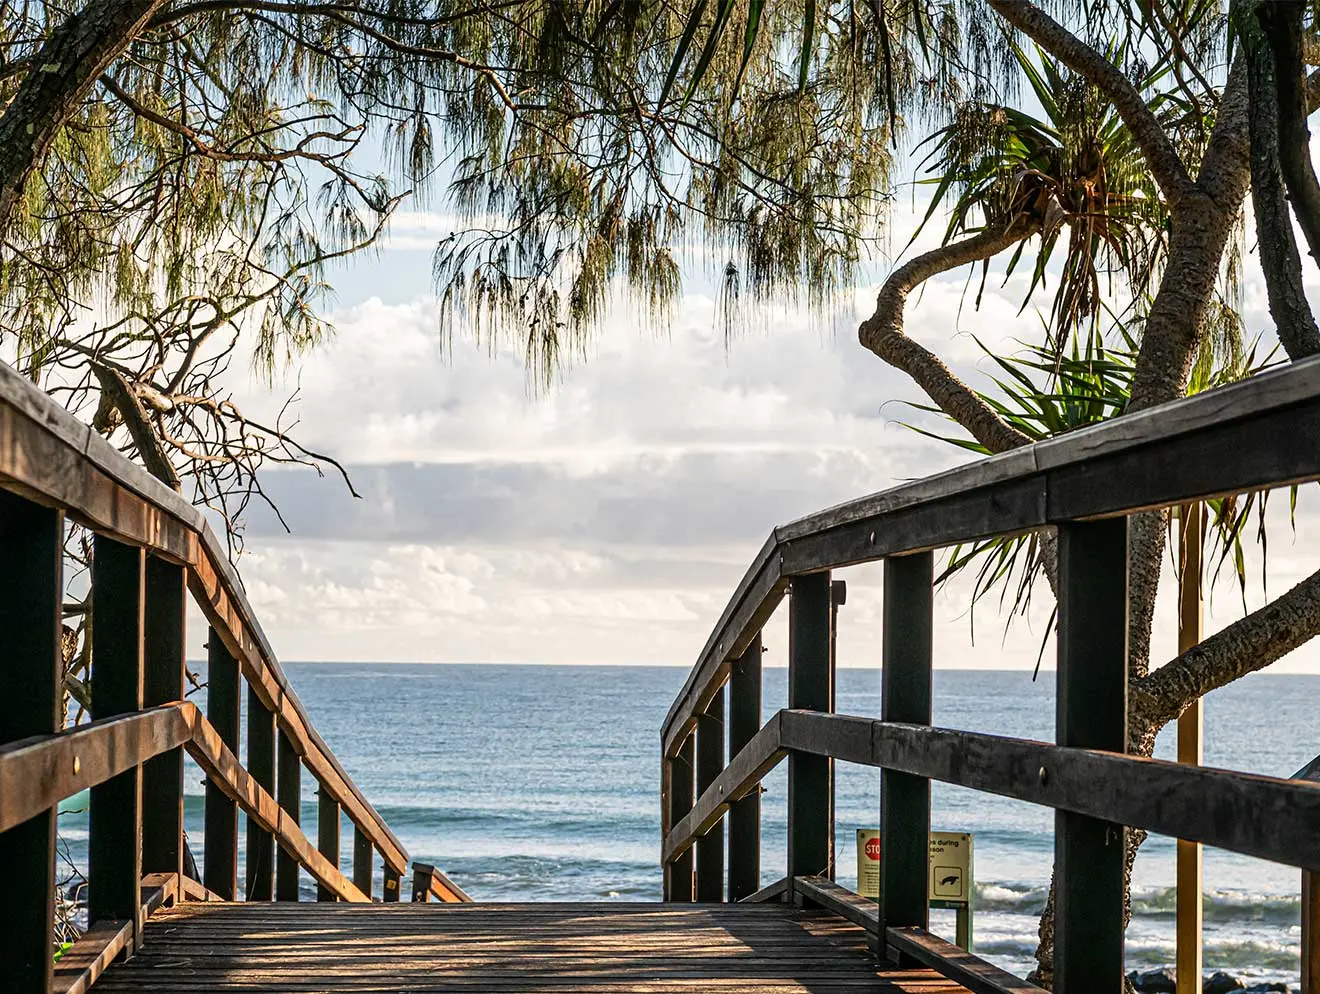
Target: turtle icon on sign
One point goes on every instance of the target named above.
(948, 881)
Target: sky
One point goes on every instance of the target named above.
(608, 519)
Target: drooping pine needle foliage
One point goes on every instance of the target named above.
(204, 181)
(207, 178)
(639, 137)
(1045, 394)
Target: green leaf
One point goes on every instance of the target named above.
(711, 47)
(808, 42)
(754, 10)
(680, 53)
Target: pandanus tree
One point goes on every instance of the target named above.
(178, 176)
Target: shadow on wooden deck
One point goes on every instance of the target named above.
(525, 948)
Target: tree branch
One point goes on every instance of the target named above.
(69, 62)
(1166, 166)
(883, 334)
(1282, 23)
(1249, 644)
(1279, 258)
(115, 387)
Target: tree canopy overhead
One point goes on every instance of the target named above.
(178, 175)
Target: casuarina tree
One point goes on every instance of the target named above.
(177, 178)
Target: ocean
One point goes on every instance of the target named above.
(541, 783)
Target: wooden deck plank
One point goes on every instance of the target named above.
(523, 948)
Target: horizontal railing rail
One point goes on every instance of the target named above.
(978, 976)
(103, 943)
(37, 773)
(49, 456)
(1266, 817)
(1261, 432)
(1258, 434)
(151, 549)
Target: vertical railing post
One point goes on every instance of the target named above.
(1190, 750)
(389, 884)
(745, 813)
(261, 767)
(1310, 932)
(1090, 854)
(810, 687)
(327, 835)
(710, 764)
(114, 850)
(362, 856)
(678, 874)
(31, 673)
(905, 695)
(162, 682)
(290, 802)
(223, 706)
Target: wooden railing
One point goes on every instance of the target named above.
(429, 882)
(1264, 432)
(151, 550)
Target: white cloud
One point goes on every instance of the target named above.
(609, 519)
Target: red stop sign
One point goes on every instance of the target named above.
(873, 848)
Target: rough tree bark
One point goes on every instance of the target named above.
(1203, 213)
(1279, 258)
(884, 335)
(61, 73)
(1282, 25)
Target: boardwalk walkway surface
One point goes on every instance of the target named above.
(604, 948)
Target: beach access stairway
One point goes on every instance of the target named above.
(154, 929)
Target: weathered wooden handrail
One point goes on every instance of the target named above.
(1266, 817)
(1261, 433)
(36, 774)
(151, 549)
(1210, 444)
(51, 457)
(429, 882)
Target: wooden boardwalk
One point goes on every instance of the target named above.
(524, 948)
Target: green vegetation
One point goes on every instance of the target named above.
(178, 174)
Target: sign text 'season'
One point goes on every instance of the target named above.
(950, 883)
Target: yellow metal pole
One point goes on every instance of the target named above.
(1190, 741)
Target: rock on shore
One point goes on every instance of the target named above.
(1163, 981)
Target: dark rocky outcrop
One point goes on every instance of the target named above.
(1154, 981)
(1222, 983)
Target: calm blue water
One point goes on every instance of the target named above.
(541, 783)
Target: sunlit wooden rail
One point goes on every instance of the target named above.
(1264, 432)
(151, 550)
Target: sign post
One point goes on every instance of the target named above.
(951, 875)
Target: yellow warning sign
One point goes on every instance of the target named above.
(950, 867)
(868, 863)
